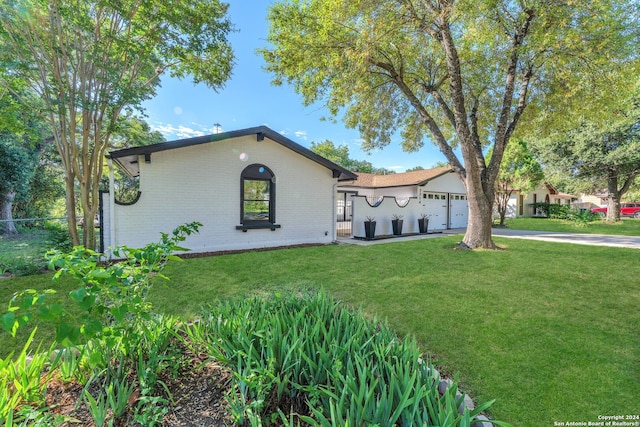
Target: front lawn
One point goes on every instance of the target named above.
(24, 253)
(626, 227)
(549, 330)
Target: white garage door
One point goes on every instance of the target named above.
(436, 207)
(459, 210)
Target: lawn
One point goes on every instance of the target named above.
(23, 254)
(552, 331)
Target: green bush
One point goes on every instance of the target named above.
(311, 360)
(110, 332)
(566, 213)
(58, 237)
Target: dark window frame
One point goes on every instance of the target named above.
(258, 172)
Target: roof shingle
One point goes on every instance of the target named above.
(367, 180)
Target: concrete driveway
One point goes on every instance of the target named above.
(576, 238)
(549, 236)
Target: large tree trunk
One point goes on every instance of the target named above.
(613, 199)
(6, 214)
(70, 202)
(479, 226)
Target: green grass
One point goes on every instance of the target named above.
(550, 330)
(24, 253)
(626, 227)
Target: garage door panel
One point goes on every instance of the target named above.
(459, 210)
(436, 208)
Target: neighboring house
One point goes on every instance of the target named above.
(522, 205)
(438, 193)
(588, 201)
(250, 188)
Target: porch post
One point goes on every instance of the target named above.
(112, 206)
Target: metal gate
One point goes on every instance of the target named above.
(344, 213)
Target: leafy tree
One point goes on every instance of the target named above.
(21, 147)
(599, 156)
(460, 72)
(519, 171)
(340, 156)
(132, 131)
(416, 168)
(90, 60)
(46, 188)
(16, 171)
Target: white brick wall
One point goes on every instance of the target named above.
(202, 183)
(447, 183)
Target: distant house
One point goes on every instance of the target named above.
(524, 204)
(250, 188)
(588, 201)
(437, 193)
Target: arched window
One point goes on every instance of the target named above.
(257, 198)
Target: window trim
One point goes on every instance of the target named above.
(253, 173)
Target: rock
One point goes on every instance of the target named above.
(481, 421)
(433, 372)
(64, 354)
(466, 403)
(444, 385)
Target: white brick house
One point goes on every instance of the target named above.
(436, 193)
(250, 188)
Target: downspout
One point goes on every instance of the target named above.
(112, 207)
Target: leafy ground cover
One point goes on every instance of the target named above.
(549, 330)
(626, 227)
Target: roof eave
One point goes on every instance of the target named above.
(338, 171)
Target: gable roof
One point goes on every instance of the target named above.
(421, 177)
(127, 158)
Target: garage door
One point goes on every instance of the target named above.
(459, 210)
(436, 207)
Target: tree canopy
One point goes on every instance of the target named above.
(599, 157)
(458, 73)
(89, 60)
(519, 171)
(340, 156)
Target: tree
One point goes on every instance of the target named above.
(16, 172)
(132, 131)
(415, 168)
(90, 60)
(21, 147)
(461, 72)
(340, 156)
(599, 155)
(519, 171)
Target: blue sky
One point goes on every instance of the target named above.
(182, 109)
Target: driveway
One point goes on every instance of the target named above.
(576, 238)
(549, 236)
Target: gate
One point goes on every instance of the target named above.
(344, 213)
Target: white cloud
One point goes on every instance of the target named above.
(302, 134)
(177, 110)
(170, 131)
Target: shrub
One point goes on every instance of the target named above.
(311, 360)
(567, 213)
(58, 237)
(111, 331)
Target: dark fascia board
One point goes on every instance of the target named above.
(121, 156)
